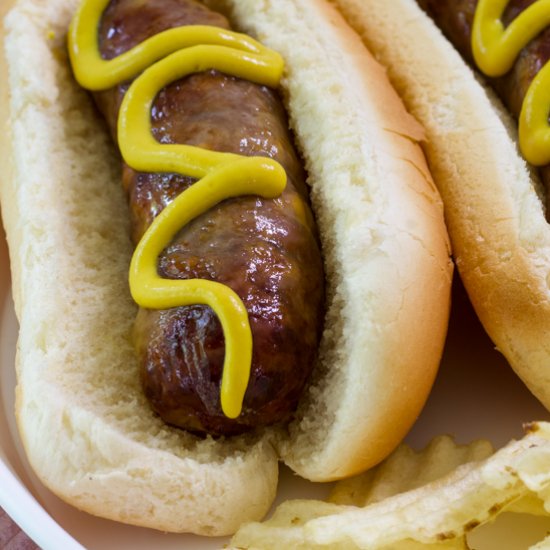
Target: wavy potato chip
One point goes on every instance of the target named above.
(416, 500)
(407, 469)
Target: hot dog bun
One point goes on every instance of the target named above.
(493, 203)
(85, 425)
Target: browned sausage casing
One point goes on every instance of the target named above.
(267, 251)
(455, 18)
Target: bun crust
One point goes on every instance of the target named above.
(86, 427)
(493, 206)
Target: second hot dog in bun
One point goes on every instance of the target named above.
(495, 201)
(86, 425)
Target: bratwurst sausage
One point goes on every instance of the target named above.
(455, 19)
(266, 250)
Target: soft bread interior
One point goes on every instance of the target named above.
(86, 428)
(500, 237)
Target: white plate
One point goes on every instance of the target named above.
(476, 396)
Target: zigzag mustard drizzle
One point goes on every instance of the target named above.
(162, 59)
(495, 50)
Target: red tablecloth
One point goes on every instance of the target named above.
(11, 537)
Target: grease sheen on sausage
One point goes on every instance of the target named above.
(267, 251)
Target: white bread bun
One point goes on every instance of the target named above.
(85, 425)
(493, 206)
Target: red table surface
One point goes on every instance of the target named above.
(11, 536)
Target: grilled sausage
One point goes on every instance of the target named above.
(267, 251)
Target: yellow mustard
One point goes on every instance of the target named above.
(162, 59)
(495, 50)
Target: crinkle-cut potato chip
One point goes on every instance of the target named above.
(401, 514)
(407, 469)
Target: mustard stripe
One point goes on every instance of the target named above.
(534, 128)
(95, 73)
